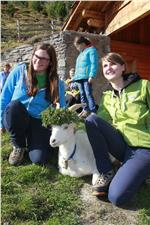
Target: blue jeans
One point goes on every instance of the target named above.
(86, 95)
(26, 131)
(135, 167)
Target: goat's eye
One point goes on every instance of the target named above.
(65, 127)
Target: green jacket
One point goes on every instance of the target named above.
(129, 110)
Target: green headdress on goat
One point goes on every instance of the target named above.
(59, 116)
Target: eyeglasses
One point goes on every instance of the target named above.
(41, 58)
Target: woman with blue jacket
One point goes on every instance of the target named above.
(85, 72)
(27, 92)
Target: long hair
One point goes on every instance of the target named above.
(114, 58)
(52, 90)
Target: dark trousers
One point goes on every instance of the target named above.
(135, 167)
(26, 131)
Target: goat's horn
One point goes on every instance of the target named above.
(57, 105)
(76, 106)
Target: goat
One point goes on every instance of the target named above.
(76, 157)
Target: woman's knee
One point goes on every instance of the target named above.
(38, 156)
(92, 118)
(15, 104)
(15, 109)
(117, 197)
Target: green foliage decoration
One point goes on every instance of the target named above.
(52, 116)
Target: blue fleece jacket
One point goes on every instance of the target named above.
(3, 77)
(86, 64)
(15, 89)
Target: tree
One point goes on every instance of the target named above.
(10, 10)
(57, 9)
(35, 5)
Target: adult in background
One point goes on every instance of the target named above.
(4, 74)
(28, 91)
(85, 72)
(122, 128)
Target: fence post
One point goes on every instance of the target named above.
(52, 25)
(18, 30)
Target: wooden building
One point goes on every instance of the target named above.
(127, 23)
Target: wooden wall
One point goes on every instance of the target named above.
(137, 57)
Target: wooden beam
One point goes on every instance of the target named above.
(92, 14)
(130, 13)
(74, 19)
(95, 23)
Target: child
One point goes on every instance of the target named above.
(72, 92)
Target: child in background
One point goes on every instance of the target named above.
(85, 73)
(72, 92)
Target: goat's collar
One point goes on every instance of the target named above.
(65, 161)
(72, 154)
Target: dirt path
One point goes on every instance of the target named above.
(98, 212)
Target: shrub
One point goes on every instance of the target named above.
(10, 10)
(35, 5)
(57, 9)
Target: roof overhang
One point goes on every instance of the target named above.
(105, 16)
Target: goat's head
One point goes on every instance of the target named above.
(62, 122)
(61, 134)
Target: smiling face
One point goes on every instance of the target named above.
(112, 70)
(40, 60)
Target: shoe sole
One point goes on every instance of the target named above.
(96, 193)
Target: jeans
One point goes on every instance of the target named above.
(86, 95)
(135, 167)
(26, 131)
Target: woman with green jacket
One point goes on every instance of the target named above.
(121, 128)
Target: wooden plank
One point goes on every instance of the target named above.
(95, 23)
(92, 14)
(136, 55)
(75, 19)
(130, 13)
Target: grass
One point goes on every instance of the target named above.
(29, 27)
(144, 204)
(36, 195)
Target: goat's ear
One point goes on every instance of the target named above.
(76, 106)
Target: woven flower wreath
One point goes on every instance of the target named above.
(53, 116)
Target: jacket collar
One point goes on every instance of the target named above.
(129, 78)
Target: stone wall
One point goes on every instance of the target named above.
(66, 54)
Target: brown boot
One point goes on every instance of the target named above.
(16, 156)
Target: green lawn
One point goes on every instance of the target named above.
(36, 195)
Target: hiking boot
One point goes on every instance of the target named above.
(102, 184)
(16, 156)
(83, 114)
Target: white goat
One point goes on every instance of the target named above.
(76, 157)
